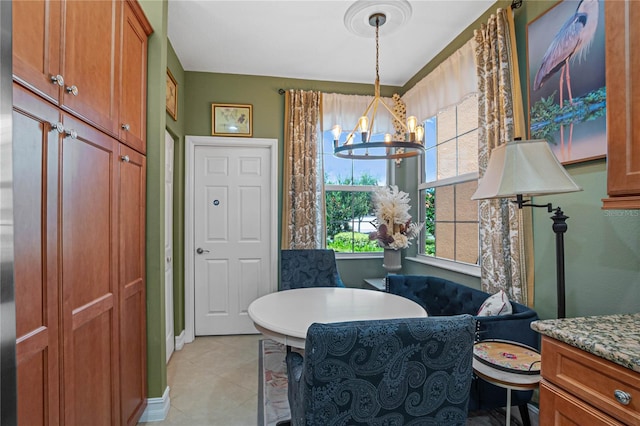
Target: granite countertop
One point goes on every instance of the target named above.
(612, 337)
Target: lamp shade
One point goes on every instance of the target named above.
(525, 167)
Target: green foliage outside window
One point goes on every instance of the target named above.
(430, 221)
(346, 209)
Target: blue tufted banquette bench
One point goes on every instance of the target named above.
(443, 297)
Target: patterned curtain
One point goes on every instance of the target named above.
(505, 231)
(302, 206)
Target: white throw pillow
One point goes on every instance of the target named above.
(497, 304)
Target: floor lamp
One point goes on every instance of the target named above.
(527, 168)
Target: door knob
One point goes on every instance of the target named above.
(200, 251)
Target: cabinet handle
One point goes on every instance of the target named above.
(125, 158)
(622, 397)
(71, 133)
(72, 89)
(126, 127)
(57, 79)
(58, 127)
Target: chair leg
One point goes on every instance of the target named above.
(524, 414)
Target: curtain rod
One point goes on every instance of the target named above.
(515, 4)
(282, 91)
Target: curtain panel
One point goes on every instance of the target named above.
(303, 193)
(505, 231)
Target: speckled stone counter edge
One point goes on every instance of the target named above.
(612, 337)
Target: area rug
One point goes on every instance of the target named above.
(273, 403)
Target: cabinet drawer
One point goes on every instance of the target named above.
(558, 408)
(592, 379)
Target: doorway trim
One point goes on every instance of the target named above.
(189, 277)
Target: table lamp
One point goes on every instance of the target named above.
(527, 168)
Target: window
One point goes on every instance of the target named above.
(450, 177)
(348, 187)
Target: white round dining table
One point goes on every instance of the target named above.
(286, 315)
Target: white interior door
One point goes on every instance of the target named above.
(168, 243)
(233, 235)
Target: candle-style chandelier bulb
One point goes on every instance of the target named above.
(336, 131)
(420, 134)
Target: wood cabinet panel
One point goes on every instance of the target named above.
(623, 104)
(36, 45)
(559, 408)
(133, 347)
(88, 224)
(133, 87)
(35, 152)
(91, 60)
(591, 380)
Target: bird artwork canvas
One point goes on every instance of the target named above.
(566, 80)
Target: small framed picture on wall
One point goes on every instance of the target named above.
(172, 96)
(232, 120)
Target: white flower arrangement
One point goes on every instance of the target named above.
(394, 227)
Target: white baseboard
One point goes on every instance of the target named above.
(157, 408)
(180, 341)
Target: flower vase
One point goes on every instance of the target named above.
(392, 260)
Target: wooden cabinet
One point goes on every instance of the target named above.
(88, 258)
(133, 341)
(35, 152)
(579, 388)
(133, 87)
(80, 210)
(623, 104)
(88, 57)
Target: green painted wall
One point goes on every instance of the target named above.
(176, 129)
(602, 247)
(156, 12)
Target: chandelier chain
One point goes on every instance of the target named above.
(377, 49)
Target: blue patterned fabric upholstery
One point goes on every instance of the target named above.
(308, 268)
(414, 371)
(443, 297)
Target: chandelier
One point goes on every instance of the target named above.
(365, 149)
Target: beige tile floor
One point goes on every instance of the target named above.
(214, 381)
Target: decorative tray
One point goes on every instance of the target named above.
(508, 356)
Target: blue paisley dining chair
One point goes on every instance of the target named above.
(412, 371)
(300, 268)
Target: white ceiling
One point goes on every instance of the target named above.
(308, 39)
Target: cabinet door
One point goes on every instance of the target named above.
(88, 235)
(623, 104)
(36, 45)
(35, 153)
(91, 61)
(133, 87)
(133, 337)
(559, 408)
